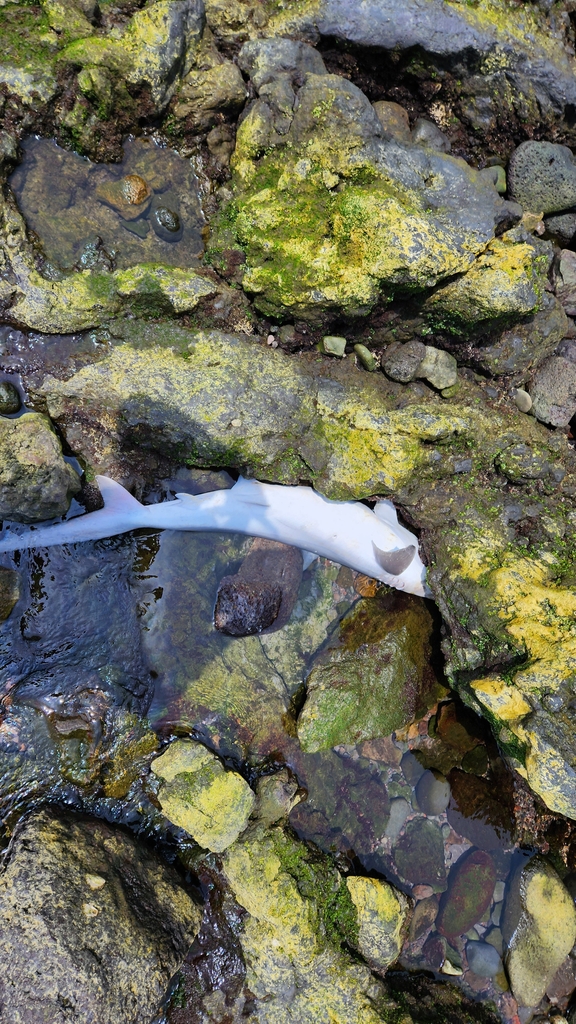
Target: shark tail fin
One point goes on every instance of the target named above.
(116, 498)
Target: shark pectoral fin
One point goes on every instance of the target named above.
(307, 558)
(384, 511)
(394, 562)
(116, 498)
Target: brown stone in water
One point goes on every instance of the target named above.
(129, 196)
(9, 591)
(262, 594)
(470, 887)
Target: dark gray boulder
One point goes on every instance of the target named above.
(542, 177)
(93, 925)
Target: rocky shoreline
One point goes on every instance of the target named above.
(319, 243)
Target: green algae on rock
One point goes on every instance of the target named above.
(240, 690)
(373, 225)
(383, 918)
(298, 912)
(200, 796)
(9, 591)
(505, 283)
(155, 48)
(228, 401)
(373, 677)
(35, 481)
(539, 929)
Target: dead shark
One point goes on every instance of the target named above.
(347, 532)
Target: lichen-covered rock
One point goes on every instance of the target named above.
(298, 912)
(259, 409)
(503, 284)
(88, 299)
(169, 287)
(542, 177)
(155, 49)
(235, 402)
(35, 481)
(384, 226)
(383, 918)
(539, 929)
(91, 922)
(206, 94)
(200, 796)
(524, 61)
(372, 678)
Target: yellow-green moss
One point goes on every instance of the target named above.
(504, 283)
(200, 796)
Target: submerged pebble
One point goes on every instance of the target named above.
(9, 398)
(129, 195)
(483, 959)
(470, 888)
(433, 793)
(164, 217)
(263, 591)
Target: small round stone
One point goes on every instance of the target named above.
(483, 959)
(10, 401)
(169, 220)
(433, 793)
(522, 399)
(134, 189)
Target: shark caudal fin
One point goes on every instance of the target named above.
(119, 515)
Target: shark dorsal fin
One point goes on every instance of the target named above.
(251, 492)
(384, 511)
(394, 562)
(116, 498)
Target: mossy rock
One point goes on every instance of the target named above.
(373, 677)
(200, 796)
(372, 223)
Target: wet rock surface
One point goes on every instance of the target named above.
(198, 795)
(93, 924)
(372, 678)
(35, 481)
(539, 928)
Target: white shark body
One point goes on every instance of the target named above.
(347, 532)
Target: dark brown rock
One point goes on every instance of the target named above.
(470, 887)
(262, 593)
